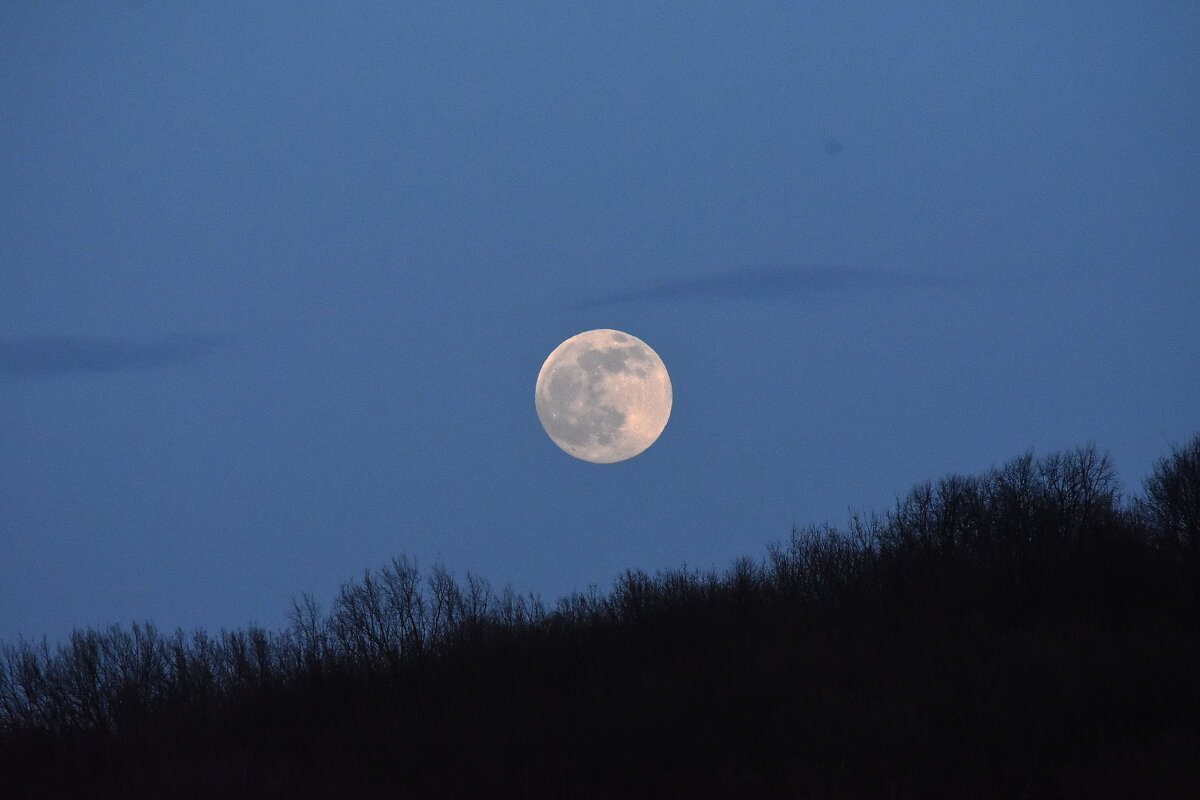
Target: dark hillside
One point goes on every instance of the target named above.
(1025, 633)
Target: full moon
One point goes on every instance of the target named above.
(603, 396)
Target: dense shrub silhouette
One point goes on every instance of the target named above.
(1027, 632)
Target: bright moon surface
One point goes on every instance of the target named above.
(603, 396)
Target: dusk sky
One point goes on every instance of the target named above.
(276, 279)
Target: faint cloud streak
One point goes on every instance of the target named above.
(49, 355)
(753, 283)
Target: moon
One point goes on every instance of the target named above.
(603, 396)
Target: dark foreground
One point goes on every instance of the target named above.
(1026, 633)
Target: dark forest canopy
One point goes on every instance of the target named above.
(1027, 632)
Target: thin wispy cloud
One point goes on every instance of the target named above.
(773, 281)
(48, 355)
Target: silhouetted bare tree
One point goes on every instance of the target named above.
(1172, 500)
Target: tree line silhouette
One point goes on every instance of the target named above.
(1027, 632)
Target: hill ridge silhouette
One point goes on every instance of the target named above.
(1026, 632)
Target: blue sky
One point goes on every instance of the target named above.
(276, 279)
